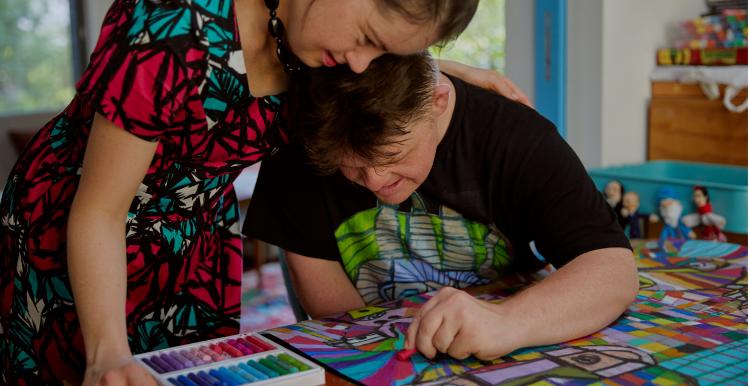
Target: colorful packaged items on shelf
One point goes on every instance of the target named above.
(725, 30)
(234, 360)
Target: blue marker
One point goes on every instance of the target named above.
(186, 381)
(253, 371)
(210, 379)
(243, 373)
(174, 382)
(225, 380)
(198, 380)
(234, 376)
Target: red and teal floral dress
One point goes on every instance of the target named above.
(172, 73)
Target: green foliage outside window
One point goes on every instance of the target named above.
(35, 56)
(482, 44)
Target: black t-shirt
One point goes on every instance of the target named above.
(502, 178)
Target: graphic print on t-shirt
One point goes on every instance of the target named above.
(390, 254)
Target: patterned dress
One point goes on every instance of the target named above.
(173, 73)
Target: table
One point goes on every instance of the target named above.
(687, 326)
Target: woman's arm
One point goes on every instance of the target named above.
(487, 79)
(582, 297)
(322, 286)
(113, 168)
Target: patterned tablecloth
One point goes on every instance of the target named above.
(688, 326)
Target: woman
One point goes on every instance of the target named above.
(178, 98)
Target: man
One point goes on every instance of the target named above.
(439, 185)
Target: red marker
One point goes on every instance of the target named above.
(404, 355)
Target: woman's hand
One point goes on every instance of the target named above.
(456, 323)
(484, 78)
(117, 369)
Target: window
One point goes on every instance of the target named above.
(482, 44)
(37, 55)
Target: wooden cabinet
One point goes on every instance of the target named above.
(685, 125)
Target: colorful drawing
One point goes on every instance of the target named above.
(687, 327)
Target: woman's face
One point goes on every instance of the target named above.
(352, 32)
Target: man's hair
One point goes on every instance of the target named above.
(451, 16)
(338, 113)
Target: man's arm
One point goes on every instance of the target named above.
(322, 286)
(580, 298)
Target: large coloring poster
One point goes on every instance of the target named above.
(688, 326)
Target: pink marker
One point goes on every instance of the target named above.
(404, 355)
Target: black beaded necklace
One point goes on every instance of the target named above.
(287, 58)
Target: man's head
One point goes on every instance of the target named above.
(379, 128)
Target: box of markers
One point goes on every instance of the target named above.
(234, 360)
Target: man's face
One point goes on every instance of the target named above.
(394, 182)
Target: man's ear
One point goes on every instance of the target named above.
(441, 98)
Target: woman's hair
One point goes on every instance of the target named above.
(338, 113)
(451, 16)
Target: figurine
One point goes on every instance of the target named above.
(613, 193)
(712, 222)
(671, 209)
(630, 204)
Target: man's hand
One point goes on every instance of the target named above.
(456, 323)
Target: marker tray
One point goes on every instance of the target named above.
(233, 360)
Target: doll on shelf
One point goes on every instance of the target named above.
(630, 204)
(711, 223)
(670, 210)
(613, 193)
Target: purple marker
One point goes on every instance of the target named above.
(182, 359)
(172, 362)
(153, 365)
(164, 365)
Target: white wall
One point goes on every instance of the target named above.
(519, 44)
(584, 72)
(633, 30)
(610, 59)
(95, 11)
(611, 53)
